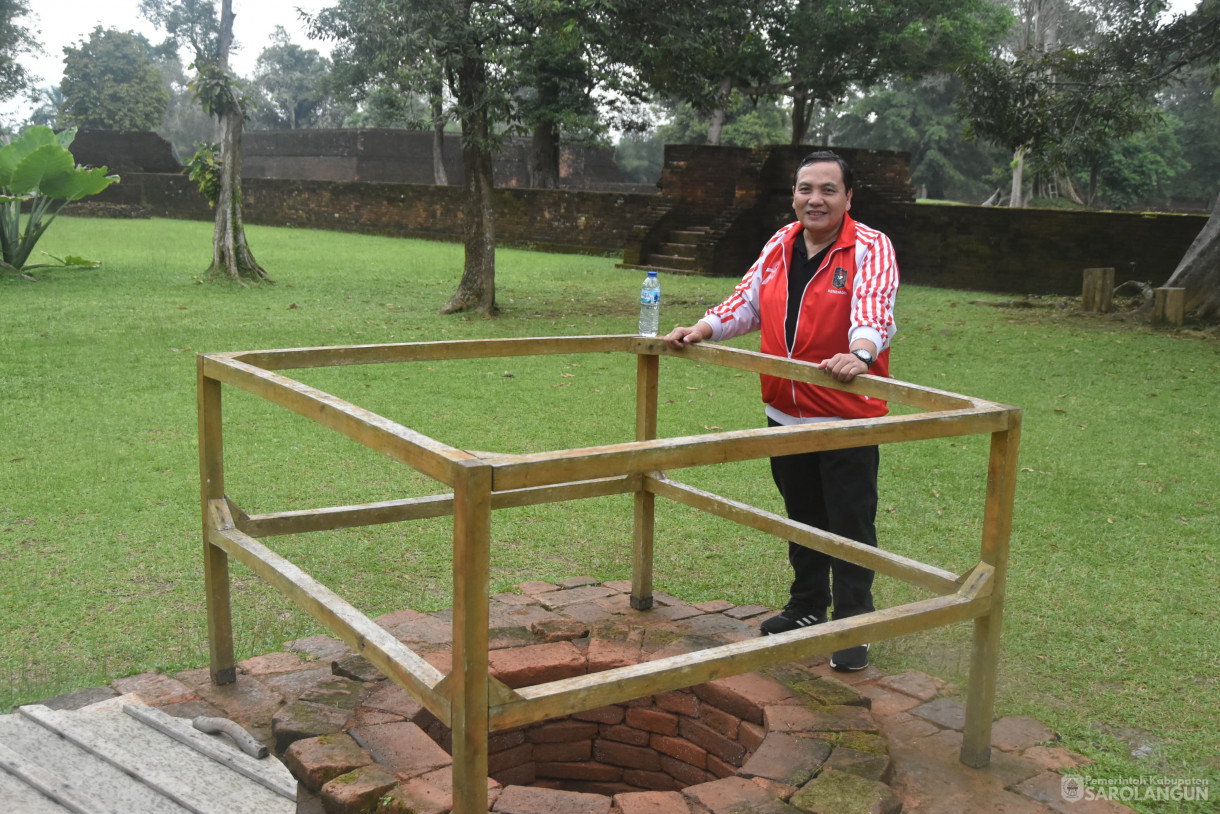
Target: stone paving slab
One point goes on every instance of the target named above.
(779, 743)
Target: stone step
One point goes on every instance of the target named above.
(671, 261)
(679, 249)
(659, 269)
(689, 235)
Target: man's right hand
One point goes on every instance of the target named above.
(680, 337)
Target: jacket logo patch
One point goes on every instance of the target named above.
(840, 278)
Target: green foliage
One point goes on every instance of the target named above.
(205, 169)
(111, 83)
(920, 118)
(218, 92)
(640, 156)
(748, 123)
(291, 85)
(37, 170)
(16, 40)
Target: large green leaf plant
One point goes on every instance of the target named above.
(39, 175)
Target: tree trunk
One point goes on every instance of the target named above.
(230, 253)
(1018, 179)
(1199, 271)
(716, 126)
(544, 157)
(477, 288)
(800, 116)
(439, 176)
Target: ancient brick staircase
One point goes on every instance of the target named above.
(677, 252)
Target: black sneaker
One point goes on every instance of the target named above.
(850, 660)
(790, 619)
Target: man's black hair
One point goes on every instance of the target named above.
(817, 158)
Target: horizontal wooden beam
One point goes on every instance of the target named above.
(393, 658)
(569, 695)
(420, 508)
(415, 449)
(330, 356)
(911, 395)
(894, 565)
(544, 468)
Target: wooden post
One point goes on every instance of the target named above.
(215, 560)
(1169, 306)
(1098, 290)
(985, 653)
(468, 681)
(647, 367)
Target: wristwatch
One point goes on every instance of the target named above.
(864, 356)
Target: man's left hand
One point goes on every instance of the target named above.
(844, 366)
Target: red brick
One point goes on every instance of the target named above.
(524, 775)
(721, 721)
(364, 716)
(719, 767)
(787, 759)
(272, 663)
(730, 793)
(1017, 732)
(602, 715)
(304, 720)
(681, 749)
(606, 654)
(536, 587)
(402, 748)
(358, 790)
(751, 735)
(414, 797)
(582, 770)
(315, 761)
(744, 696)
(913, 683)
(536, 664)
(651, 802)
(653, 720)
(715, 606)
(711, 740)
(685, 773)
(443, 780)
(560, 731)
(781, 718)
(625, 734)
(681, 702)
(159, 690)
(522, 800)
(510, 758)
(390, 697)
(781, 790)
(507, 739)
(559, 630)
(566, 752)
(1054, 758)
(657, 781)
(631, 757)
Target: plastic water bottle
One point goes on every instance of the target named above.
(650, 305)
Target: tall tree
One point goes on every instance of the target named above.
(919, 117)
(194, 23)
(16, 40)
(477, 48)
(825, 49)
(290, 83)
(111, 83)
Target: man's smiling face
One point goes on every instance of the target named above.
(820, 200)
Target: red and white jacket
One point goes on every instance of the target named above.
(850, 297)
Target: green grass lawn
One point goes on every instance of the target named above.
(1114, 589)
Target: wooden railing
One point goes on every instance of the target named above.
(473, 703)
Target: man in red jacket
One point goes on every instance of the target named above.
(822, 290)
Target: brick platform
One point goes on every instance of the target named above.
(794, 738)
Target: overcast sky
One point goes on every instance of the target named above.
(68, 22)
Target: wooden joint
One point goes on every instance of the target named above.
(219, 515)
(978, 582)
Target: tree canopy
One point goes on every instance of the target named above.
(16, 40)
(111, 83)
